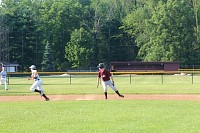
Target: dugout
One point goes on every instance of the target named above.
(9, 67)
(144, 66)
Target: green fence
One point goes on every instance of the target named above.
(173, 77)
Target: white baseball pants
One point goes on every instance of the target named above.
(37, 84)
(3, 81)
(109, 83)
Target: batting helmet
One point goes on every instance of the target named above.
(32, 67)
(101, 65)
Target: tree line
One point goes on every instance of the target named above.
(58, 35)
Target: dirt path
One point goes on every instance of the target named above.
(101, 97)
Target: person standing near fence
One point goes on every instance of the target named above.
(3, 80)
(105, 75)
(37, 82)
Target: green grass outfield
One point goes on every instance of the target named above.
(102, 116)
(84, 84)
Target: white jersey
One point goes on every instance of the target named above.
(35, 75)
(38, 82)
(3, 74)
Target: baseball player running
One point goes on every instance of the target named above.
(38, 82)
(3, 75)
(106, 76)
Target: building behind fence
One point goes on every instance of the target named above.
(144, 66)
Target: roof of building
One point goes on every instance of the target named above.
(8, 64)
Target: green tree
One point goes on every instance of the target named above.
(48, 59)
(135, 25)
(117, 46)
(104, 22)
(58, 19)
(165, 32)
(171, 32)
(22, 32)
(196, 7)
(79, 50)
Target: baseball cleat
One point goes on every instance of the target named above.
(47, 99)
(121, 95)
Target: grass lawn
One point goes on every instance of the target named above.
(84, 84)
(100, 116)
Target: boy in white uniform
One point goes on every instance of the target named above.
(3, 75)
(38, 82)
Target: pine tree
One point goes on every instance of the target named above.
(48, 59)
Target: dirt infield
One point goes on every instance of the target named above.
(101, 97)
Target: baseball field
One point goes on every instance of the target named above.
(151, 104)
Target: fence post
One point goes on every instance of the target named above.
(192, 73)
(162, 78)
(192, 77)
(70, 78)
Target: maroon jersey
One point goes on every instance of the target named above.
(105, 74)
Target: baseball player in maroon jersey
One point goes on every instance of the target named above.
(105, 75)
